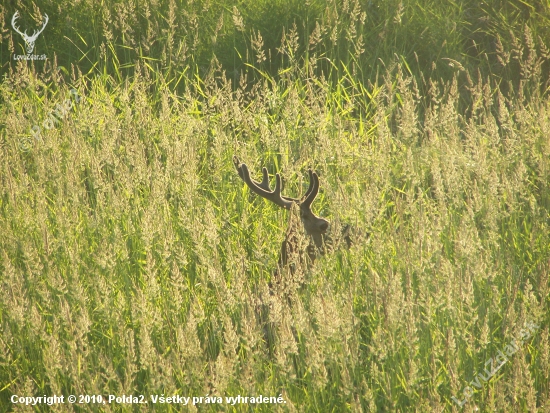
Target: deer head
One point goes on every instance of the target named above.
(29, 40)
(315, 227)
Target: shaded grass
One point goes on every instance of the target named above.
(176, 38)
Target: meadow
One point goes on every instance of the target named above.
(134, 261)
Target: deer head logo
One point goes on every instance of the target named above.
(29, 40)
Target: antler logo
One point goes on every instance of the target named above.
(29, 40)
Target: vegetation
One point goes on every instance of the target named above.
(134, 261)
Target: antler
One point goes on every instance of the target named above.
(312, 191)
(24, 34)
(37, 32)
(262, 188)
(13, 19)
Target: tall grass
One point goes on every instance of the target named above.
(174, 36)
(133, 260)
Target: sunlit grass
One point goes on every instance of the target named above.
(133, 260)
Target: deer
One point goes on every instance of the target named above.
(293, 251)
(299, 249)
(29, 40)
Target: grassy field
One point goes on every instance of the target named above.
(134, 261)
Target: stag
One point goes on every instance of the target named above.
(29, 40)
(315, 227)
(294, 252)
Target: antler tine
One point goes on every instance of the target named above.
(312, 191)
(237, 164)
(37, 32)
(262, 188)
(310, 188)
(13, 20)
(265, 180)
(265, 176)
